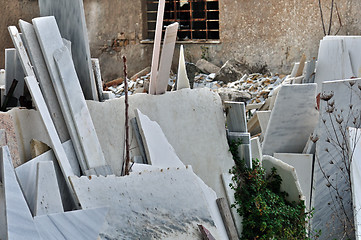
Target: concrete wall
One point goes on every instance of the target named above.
(273, 32)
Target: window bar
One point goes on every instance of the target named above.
(206, 17)
(191, 18)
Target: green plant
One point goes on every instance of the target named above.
(266, 212)
(205, 53)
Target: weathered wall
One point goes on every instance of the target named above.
(273, 32)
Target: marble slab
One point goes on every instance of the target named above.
(47, 197)
(292, 119)
(352, 45)
(21, 51)
(26, 174)
(244, 149)
(238, 219)
(263, 119)
(98, 78)
(70, 17)
(235, 116)
(84, 126)
(156, 47)
(19, 220)
(50, 41)
(335, 116)
(41, 72)
(50, 128)
(256, 149)
(303, 166)
(182, 78)
(166, 58)
(80, 225)
(333, 62)
(354, 142)
(14, 70)
(164, 204)
(158, 150)
(7, 123)
(188, 127)
(3, 230)
(309, 72)
(290, 182)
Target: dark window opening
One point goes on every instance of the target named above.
(198, 19)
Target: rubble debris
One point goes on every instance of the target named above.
(231, 71)
(206, 67)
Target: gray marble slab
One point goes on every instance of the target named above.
(18, 216)
(355, 143)
(47, 197)
(236, 116)
(80, 225)
(70, 17)
(41, 72)
(244, 149)
(50, 128)
(166, 58)
(163, 204)
(256, 149)
(292, 120)
(340, 105)
(26, 174)
(98, 78)
(79, 111)
(158, 150)
(50, 40)
(3, 230)
(14, 70)
(333, 62)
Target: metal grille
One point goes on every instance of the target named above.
(198, 19)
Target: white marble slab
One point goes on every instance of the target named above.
(256, 149)
(188, 127)
(3, 230)
(166, 58)
(98, 78)
(303, 166)
(182, 78)
(50, 40)
(244, 149)
(159, 152)
(85, 131)
(237, 218)
(236, 116)
(80, 225)
(21, 51)
(333, 62)
(352, 45)
(41, 72)
(47, 197)
(50, 128)
(292, 120)
(263, 119)
(18, 217)
(341, 95)
(164, 204)
(156, 47)
(355, 143)
(13, 71)
(26, 174)
(70, 17)
(290, 182)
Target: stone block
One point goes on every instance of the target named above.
(231, 71)
(206, 67)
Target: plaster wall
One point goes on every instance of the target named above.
(273, 32)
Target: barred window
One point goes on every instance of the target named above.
(198, 19)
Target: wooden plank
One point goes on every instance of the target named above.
(227, 219)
